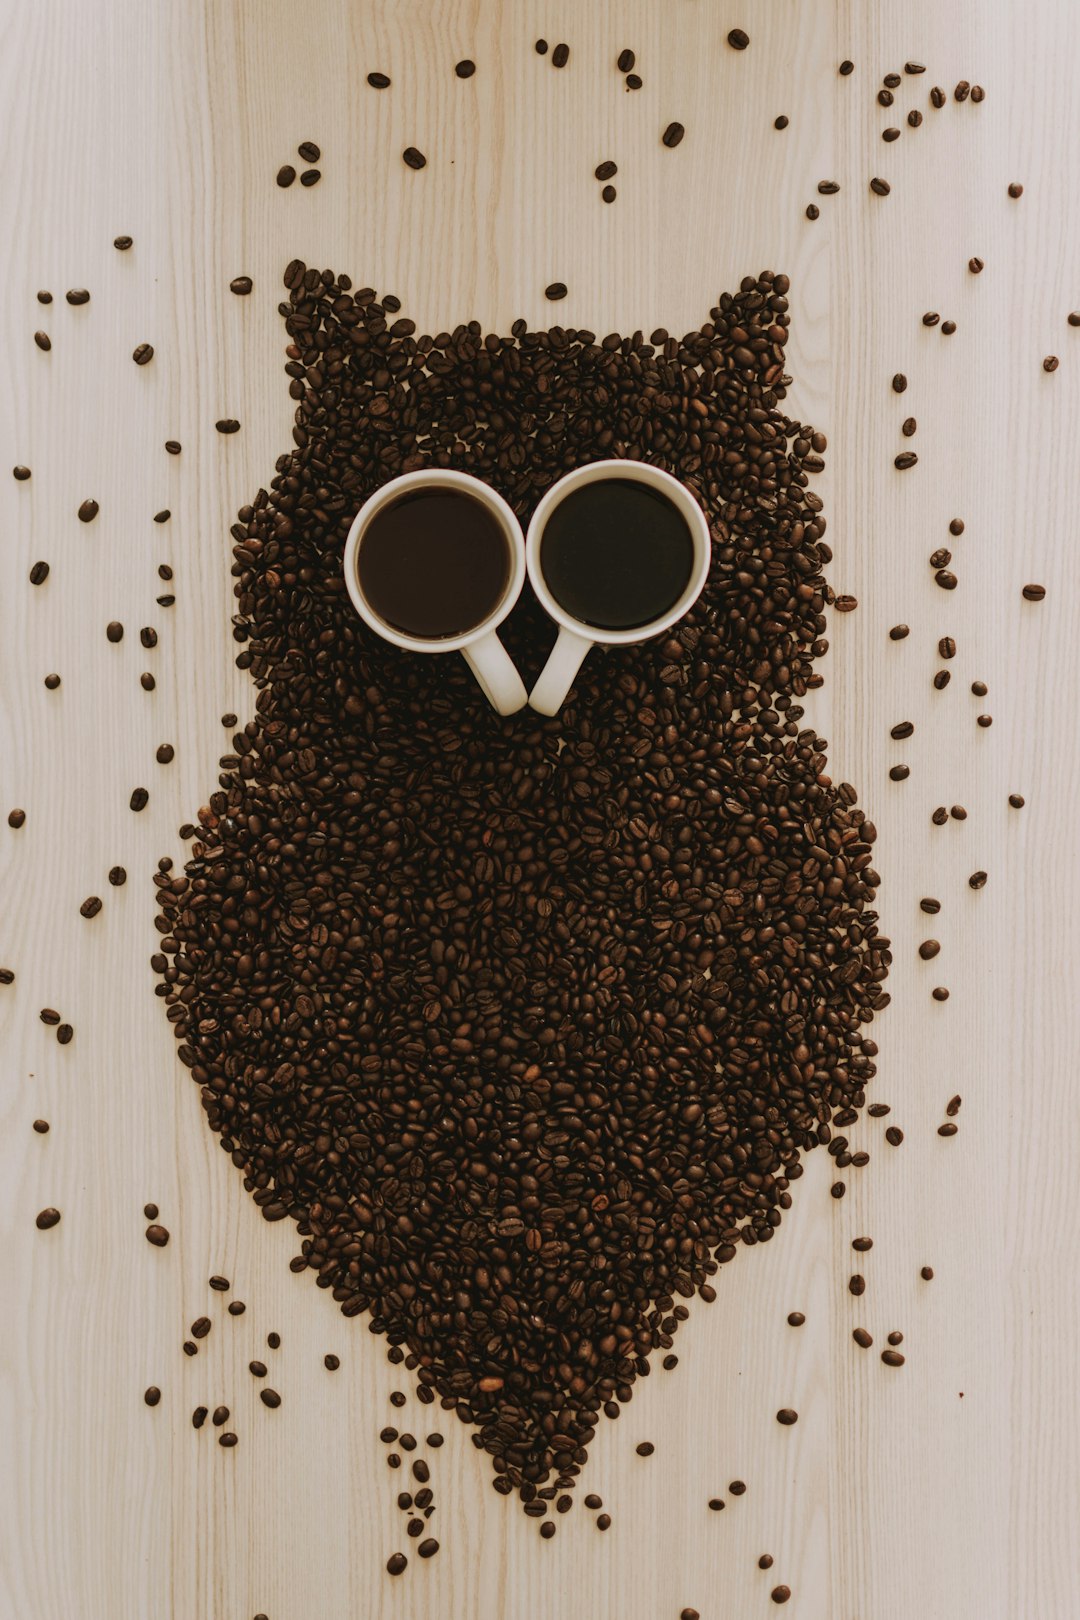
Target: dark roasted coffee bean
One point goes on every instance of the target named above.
(47, 1218)
(1033, 593)
(796, 1318)
(908, 426)
(781, 122)
(173, 446)
(44, 297)
(931, 318)
(891, 80)
(828, 188)
(228, 1440)
(157, 1235)
(428, 1549)
(151, 1211)
(780, 1594)
(1051, 362)
(633, 81)
(541, 47)
(892, 1358)
(941, 680)
(1016, 189)
(122, 243)
(956, 526)
(39, 573)
(1016, 800)
(927, 1273)
(114, 631)
(846, 604)
(940, 993)
(896, 1337)
(885, 97)
(227, 424)
(201, 1327)
(736, 1487)
(147, 682)
(286, 175)
(899, 632)
(984, 720)
(1074, 317)
(890, 135)
(738, 39)
(257, 1369)
(270, 1398)
(41, 1126)
(903, 729)
(932, 907)
(241, 286)
(152, 1395)
(894, 1135)
(962, 91)
(142, 354)
(272, 1339)
(331, 1363)
(625, 61)
(946, 1130)
(90, 907)
(21, 474)
(765, 1561)
(812, 211)
(77, 295)
(673, 134)
(787, 1416)
(608, 194)
(396, 1563)
(560, 56)
(948, 328)
(220, 1417)
(309, 152)
(899, 383)
(856, 1284)
(17, 818)
(645, 1448)
(979, 688)
(716, 1504)
(906, 459)
(606, 170)
(940, 558)
(879, 187)
(975, 265)
(603, 1521)
(862, 1338)
(163, 516)
(929, 949)
(847, 67)
(946, 647)
(555, 291)
(958, 812)
(899, 773)
(140, 798)
(310, 177)
(914, 118)
(43, 341)
(947, 580)
(863, 1245)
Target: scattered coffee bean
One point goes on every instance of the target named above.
(904, 729)
(879, 187)
(287, 174)
(941, 680)
(796, 1319)
(228, 1440)
(892, 1358)
(1051, 362)
(914, 118)
(227, 424)
(46, 1219)
(738, 39)
(862, 1338)
(863, 1245)
(1015, 189)
(43, 341)
(899, 632)
(122, 243)
(906, 459)
(927, 1273)
(812, 211)
(984, 720)
(625, 61)
(946, 647)
(931, 318)
(114, 631)
(673, 134)
(781, 122)
(157, 1235)
(1033, 593)
(555, 290)
(899, 773)
(1016, 800)
(270, 1398)
(90, 907)
(142, 354)
(846, 67)
(39, 573)
(894, 1135)
(21, 474)
(310, 177)
(41, 1126)
(940, 993)
(787, 1416)
(958, 812)
(560, 56)
(908, 426)
(962, 91)
(780, 1594)
(975, 265)
(645, 1448)
(948, 328)
(890, 135)
(608, 194)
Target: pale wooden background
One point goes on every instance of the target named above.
(894, 1498)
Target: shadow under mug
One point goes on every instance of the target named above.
(480, 647)
(576, 636)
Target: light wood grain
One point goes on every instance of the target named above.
(947, 1489)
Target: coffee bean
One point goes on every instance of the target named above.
(862, 1245)
(931, 906)
(270, 1398)
(272, 1339)
(1033, 593)
(940, 558)
(846, 604)
(899, 383)
(1015, 189)
(796, 1319)
(227, 424)
(978, 93)
(606, 170)
(908, 426)
(1016, 800)
(765, 1561)
(39, 573)
(892, 1358)
(828, 188)
(147, 682)
(287, 174)
(975, 265)
(736, 1487)
(633, 81)
(885, 97)
(90, 907)
(931, 318)
(738, 39)
(220, 1285)
(556, 290)
(331, 1363)
(17, 818)
(787, 1416)
(44, 297)
(899, 773)
(847, 67)
(603, 1521)
(625, 61)
(716, 1504)
(948, 328)
(541, 47)
(862, 1338)
(227, 1439)
(904, 729)
(941, 680)
(914, 118)
(812, 211)
(309, 152)
(781, 122)
(879, 187)
(673, 134)
(890, 135)
(958, 812)
(77, 295)
(780, 1594)
(151, 1211)
(140, 798)
(962, 91)
(895, 1337)
(891, 80)
(173, 446)
(979, 688)
(947, 1130)
(1074, 317)
(43, 341)
(689, 1614)
(21, 474)
(46, 1219)
(984, 720)
(929, 949)
(1051, 362)
(114, 631)
(122, 243)
(41, 1126)
(907, 458)
(946, 647)
(560, 56)
(157, 1235)
(899, 632)
(310, 177)
(428, 1549)
(894, 1135)
(142, 354)
(947, 580)
(608, 194)
(940, 993)
(201, 1327)
(645, 1449)
(927, 1273)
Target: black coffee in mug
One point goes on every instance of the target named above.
(616, 554)
(433, 563)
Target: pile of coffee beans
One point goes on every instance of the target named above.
(527, 1022)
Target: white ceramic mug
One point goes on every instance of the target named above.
(575, 635)
(480, 647)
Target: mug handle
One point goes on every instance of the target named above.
(557, 675)
(496, 674)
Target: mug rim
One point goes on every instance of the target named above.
(448, 478)
(642, 472)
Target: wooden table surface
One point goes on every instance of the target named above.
(946, 1488)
